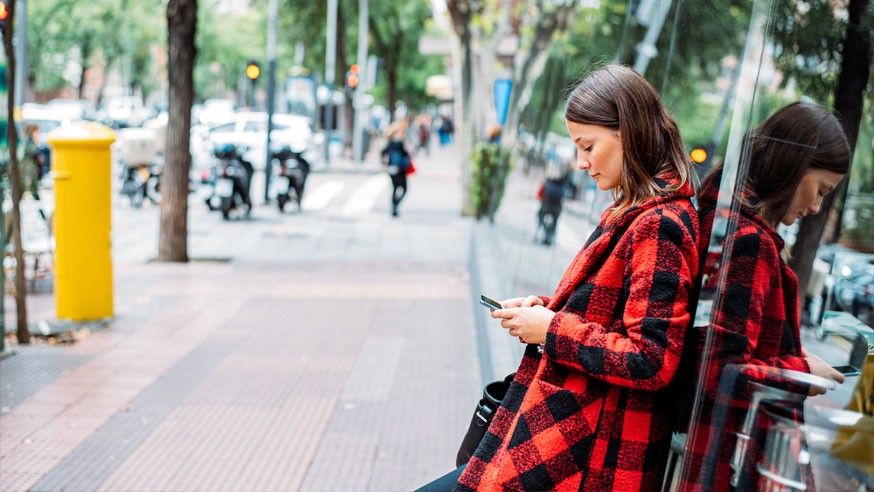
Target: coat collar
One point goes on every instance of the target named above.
(602, 241)
(707, 198)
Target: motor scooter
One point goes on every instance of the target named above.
(231, 183)
(142, 181)
(292, 171)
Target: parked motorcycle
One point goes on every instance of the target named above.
(292, 171)
(233, 175)
(142, 181)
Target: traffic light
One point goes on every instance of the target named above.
(352, 77)
(702, 155)
(698, 155)
(4, 15)
(253, 70)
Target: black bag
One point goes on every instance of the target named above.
(493, 394)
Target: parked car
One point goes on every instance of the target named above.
(248, 131)
(123, 112)
(216, 111)
(47, 119)
(855, 294)
(74, 109)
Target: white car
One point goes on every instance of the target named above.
(216, 111)
(248, 131)
(45, 117)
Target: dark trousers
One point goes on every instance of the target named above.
(446, 483)
(399, 189)
(547, 218)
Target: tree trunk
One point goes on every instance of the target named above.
(86, 55)
(849, 95)
(391, 74)
(181, 28)
(460, 12)
(22, 333)
(531, 66)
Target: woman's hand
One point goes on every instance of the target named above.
(526, 322)
(821, 368)
(522, 302)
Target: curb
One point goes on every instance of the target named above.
(499, 354)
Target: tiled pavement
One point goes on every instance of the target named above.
(351, 364)
(341, 351)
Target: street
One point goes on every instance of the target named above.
(332, 348)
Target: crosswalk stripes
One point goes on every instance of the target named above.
(319, 197)
(365, 196)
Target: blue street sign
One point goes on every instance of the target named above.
(502, 99)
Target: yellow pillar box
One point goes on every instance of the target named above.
(81, 160)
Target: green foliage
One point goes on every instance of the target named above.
(395, 28)
(68, 34)
(707, 31)
(859, 219)
(807, 36)
(491, 166)
(862, 171)
(225, 44)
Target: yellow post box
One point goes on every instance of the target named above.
(81, 160)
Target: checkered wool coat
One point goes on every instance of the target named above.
(589, 413)
(756, 322)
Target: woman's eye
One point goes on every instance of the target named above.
(588, 149)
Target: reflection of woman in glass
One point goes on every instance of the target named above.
(587, 408)
(797, 156)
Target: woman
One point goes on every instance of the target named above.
(586, 409)
(798, 156)
(396, 161)
(33, 160)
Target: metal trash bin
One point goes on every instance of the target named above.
(762, 392)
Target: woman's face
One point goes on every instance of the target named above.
(815, 184)
(599, 153)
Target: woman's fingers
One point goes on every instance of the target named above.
(532, 301)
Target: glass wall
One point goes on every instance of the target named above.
(782, 298)
(785, 292)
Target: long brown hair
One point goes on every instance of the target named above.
(796, 138)
(618, 98)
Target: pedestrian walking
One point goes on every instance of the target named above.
(423, 133)
(586, 409)
(396, 162)
(446, 129)
(33, 161)
(551, 196)
(798, 156)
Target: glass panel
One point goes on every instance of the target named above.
(759, 332)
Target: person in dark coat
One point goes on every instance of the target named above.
(798, 156)
(33, 160)
(586, 409)
(554, 189)
(396, 161)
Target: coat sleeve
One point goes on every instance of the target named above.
(663, 263)
(751, 313)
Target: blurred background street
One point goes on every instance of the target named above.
(264, 321)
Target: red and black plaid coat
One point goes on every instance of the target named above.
(755, 321)
(587, 413)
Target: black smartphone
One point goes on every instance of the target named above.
(847, 370)
(489, 303)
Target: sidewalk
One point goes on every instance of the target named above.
(332, 352)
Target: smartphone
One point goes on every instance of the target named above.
(847, 370)
(489, 303)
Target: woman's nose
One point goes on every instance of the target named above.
(582, 163)
(814, 208)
